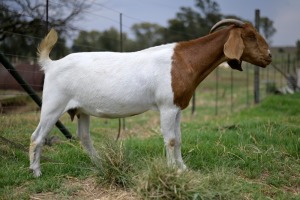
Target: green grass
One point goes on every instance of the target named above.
(250, 154)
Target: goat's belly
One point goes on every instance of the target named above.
(116, 111)
(113, 102)
(98, 112)
(114, 115)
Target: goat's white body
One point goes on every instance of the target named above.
(107, 84)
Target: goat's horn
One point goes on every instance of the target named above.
(226, 22)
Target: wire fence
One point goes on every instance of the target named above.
(223, 91)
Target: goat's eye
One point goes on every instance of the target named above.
(251, 36)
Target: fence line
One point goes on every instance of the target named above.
(238, 85)
(223, 80)
(230, 94)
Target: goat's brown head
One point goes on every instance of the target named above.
(244, 43)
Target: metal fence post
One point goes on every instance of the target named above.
(121, 50)
(194, 103)
(256, 68)
(231, 90)
(217, 90)
(247, 85)
(11, 69)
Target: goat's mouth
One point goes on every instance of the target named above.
(264, 64)
(265, 61)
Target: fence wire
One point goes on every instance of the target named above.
(223, 91)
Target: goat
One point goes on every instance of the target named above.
(115, 85)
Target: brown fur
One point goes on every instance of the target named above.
(172, 142)
(194, 60)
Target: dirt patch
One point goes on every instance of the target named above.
(87, 189)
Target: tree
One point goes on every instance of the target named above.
(108, 40)
(22, 24)
(267, 28)
(298, 50)
(185, 26)
(29, 17)
(86, 42)
(190, 23)
(147, 35)
(210, 11)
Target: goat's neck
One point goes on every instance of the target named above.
(204, 54)
(193, 61)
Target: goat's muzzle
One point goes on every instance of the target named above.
(266, 60)
(270, 55)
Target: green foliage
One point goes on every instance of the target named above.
(298, 50)
(97, 41)
(190, 23)
(147, 35)
(22, 25)
(267, 28)
(108, 40)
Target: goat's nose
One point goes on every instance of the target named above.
(270, 55)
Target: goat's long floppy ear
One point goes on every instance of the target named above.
(233, 49)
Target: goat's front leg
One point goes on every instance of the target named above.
(177, 150)
(170, 127)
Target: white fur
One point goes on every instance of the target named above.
(110, 85)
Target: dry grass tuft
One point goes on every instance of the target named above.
(162, 182)
(115, 168)
(87, 189)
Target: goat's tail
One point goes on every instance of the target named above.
(46, 46)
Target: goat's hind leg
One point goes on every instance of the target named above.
(48, 118)
(35, 152)
(37, 141)
(83, 132)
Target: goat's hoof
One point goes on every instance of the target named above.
(183, 167)
(36, 172)
(181, 170)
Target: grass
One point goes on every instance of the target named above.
(250, 154)
(115, 168)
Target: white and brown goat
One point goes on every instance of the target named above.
(162, 78)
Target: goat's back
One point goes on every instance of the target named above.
(115, 83)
